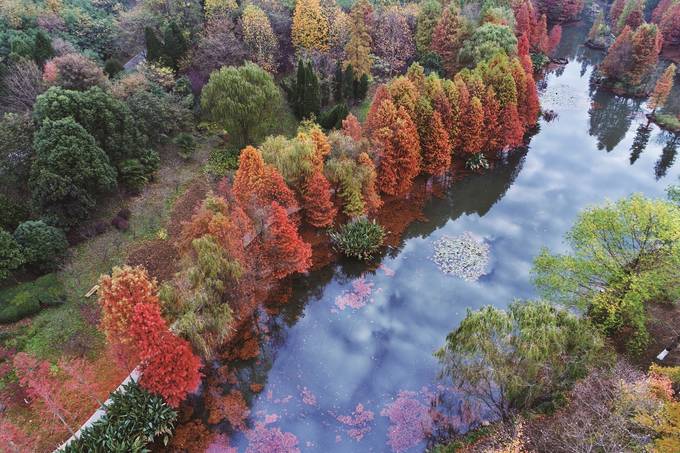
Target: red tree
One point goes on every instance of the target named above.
(492, 126)
(554, 38)
(373, 117)
(459, 106)
(387, 170)
(662, 88)
(447, 38)
(645, 52)
(383, 116)
(36, 376)
(472, 129)
(539, 35)
(436, 147)
(513, 132)
(523, 53)
(351, 127)
(615, 11)
(285, 251)
(523, 16)
(316, 200)
(407, 148)
(172, 371)
(660, 10)
(118, 294)
(147, 328)
(670, 25)
(618, 59)
(441, 105)
(14, 438)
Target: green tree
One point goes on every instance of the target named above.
(428, 16)
(175, 45)
(515, 359)
(11, 257)
(42, 245)
(623, 256)
(486, 41)
(69, 170)
(154, 46)
(242, 100)
(42, 48)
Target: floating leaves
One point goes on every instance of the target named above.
(410, 421)
(461, 256)
(357, 297)
(358, 422)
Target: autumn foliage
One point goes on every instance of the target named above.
(316, 200)
(285, 252)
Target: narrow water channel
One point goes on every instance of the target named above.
(347, 365)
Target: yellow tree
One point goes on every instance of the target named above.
(358, 48)
(215, 9)
(260, 38)
(310, 26)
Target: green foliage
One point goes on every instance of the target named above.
(515, 359)
(242, 101)
(113, 67)
(42, 245)
(624, 255)
(158, 114)
(106, 118)
(304, 93)
(28, 298)
(13, 213)
(428, 16)
(175, 45)
(292, 157)
(69, 170)
(42, 48)
(673, 193)
(186, 144)
(222, 161)
(134, 418)
(486, 41)
(11, 257)
(539, 60)
(477, 162)
(332, 118)
(360, 238)
(16, 150)
(667, 121)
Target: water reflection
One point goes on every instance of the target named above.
(319, 359)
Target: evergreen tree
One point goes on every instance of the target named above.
(305, 95)
(175, 45)
(662, 88)
(358, 48)
(348, 82)
(154, 47)
(338, 83)
(42, 48)
(363, 87)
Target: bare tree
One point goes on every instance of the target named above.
(20, 86)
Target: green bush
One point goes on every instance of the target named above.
(332, 119)
(359, 239)
(10, 254)
(222, 161)
(13, 213)
(43, 245)
(667, 121)
(186, 144)
(133, 419)
(28, 298)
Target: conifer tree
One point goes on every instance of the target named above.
(42, 48)
(373, 119)
(428, 16)
(369, 189)
(662, 89)
(175, 45)
(618, 59)
(513, 132)
(316, 200)
(447, 38)
(492, 127)
(472, 129)
(358, 48)
(407, 147)
(154, 47)
(338, 83)
(436, 147)
(646, 43)
(286, 252)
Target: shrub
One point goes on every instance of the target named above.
(186, 144)
(133, 419)
(43, 245)
(13, 213)
(112, 67)
(359, 239)
(332, 119)
(10, 254)
(28, 298)
(222, 161)
(667, 121)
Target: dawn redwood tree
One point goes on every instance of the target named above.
(387, 168)
(428, 16)
(286, 252)
(146, 329)
(540, 41)
(393, 41)
(523, 18)
(660, 10)
(662, 89)
(448, 36)
(523, 54)
(670, 25)
(436, 147)
(369, 189)
(173, 371)
(316, 200)
(310, 29)
(646, 46)
(119, 293)
(358, 48)
(513, 132)
(374, 120)
(618, 59)
(492, 126)
(404, 94)
(554, 38)
(472, 129)
(241, 100)
(351, 127)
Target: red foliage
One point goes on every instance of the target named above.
(615, 12)
(118, 295)
(147, 328)
(374, 120)
(286, 253)
(472, 130)
(523, 15)
(660, 10)
(316, 200)
(539, 35)
(441, 105)
(492, 127)
(646, 44)
(436, 147)
(554, 38)
(257, 184)
(387, 171)
(407, 148)
(523, 54)
(461, 107)
(670, 25)
(351, 127)
(447, 39)
(14, 438)
(513, 132)
(172, 371)
(617, 61)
